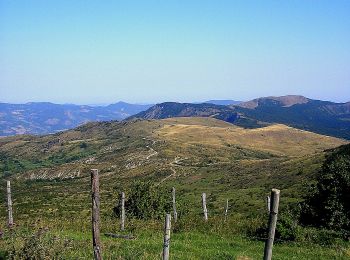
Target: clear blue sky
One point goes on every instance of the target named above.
(152, 51)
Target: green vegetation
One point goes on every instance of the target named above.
(328, 204)
(190, 239)
(145, 159)
(145, 201)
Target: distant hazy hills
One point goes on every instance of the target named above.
(322, 117)
(224, 102)
(43, 117)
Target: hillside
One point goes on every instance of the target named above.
(279, 139)
(155, 144)
(192, 154)
(44, 117)
(173, 109)
(283, 101)
(322, 117)
(50, 177)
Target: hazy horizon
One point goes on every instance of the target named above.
(88, 52)
(150, 103)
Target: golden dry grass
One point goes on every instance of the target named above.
(277, 139)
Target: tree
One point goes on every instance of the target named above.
(328, 203)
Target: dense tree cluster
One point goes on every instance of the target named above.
(328, 204)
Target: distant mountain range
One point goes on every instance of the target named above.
(44, 117)
(322, 117)
(224, 102)
(318, 116)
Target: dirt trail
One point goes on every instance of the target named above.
(172, 164)
(153, 152)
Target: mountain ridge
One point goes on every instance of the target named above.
(224, 102)
(288, 100)
(324, 117)
(318, 116)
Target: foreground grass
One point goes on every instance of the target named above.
(72, 240)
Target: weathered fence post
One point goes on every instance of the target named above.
(9, 205)
(174, 205)
(268, 203)
(204, 203)
(122, 215)
(275, 198)
(226, 210)
(166, 244)
(95, 214)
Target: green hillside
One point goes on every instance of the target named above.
(50, 178)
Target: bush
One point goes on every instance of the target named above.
(287, 228)
(39, 246)
(145, 201)
(83, 145)
(328, 203)
(322, 237)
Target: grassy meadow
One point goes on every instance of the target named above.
(50, 178)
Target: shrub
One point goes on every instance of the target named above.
(145, 201)
(327, 204)
(287, 228)
(322, 237)
(83, 145)
(39, 246)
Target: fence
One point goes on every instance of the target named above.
(272, 206)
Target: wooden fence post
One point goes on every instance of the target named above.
(174, 205)
(268, 203)
(166, 244)
(122, 216)
(95, 214)
(275, 198)
(226, 210)
(204, 203)
(9, 205)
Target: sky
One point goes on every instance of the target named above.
(92, 52)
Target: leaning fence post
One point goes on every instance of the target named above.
(204, 203)
(9, 205)
(275, 198)
(268, 203)
(226, 209)
(95, 195)
(166, 244)
(174, 205)
(122, 216)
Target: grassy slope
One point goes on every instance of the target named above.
(275, 139)
(194, 155)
